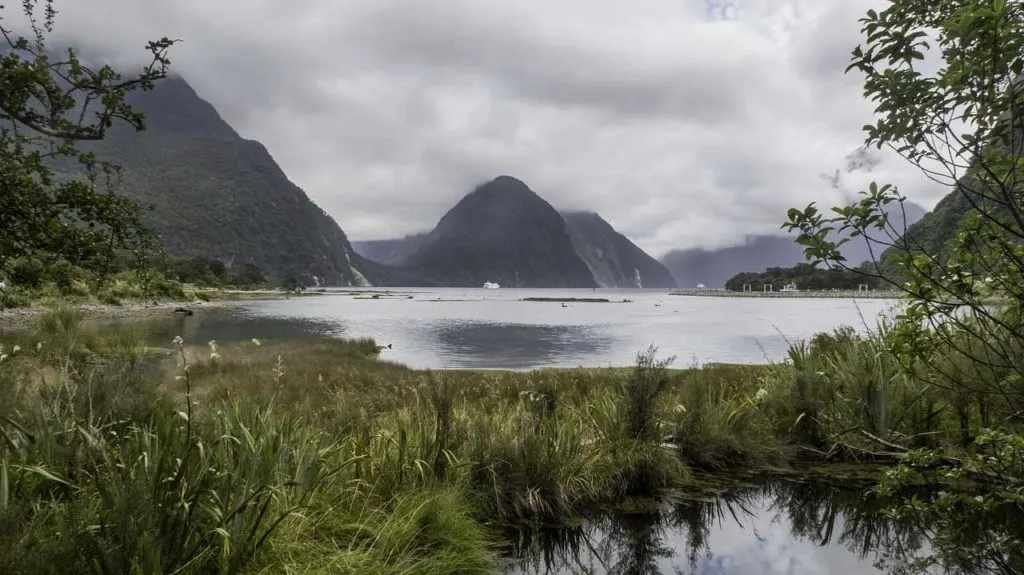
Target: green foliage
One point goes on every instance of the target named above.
(210, 272)
(247, 274)
(47, 103)
(960, 337)
(977, 525)
(317, 456)
(805, 276)
(642, 395)
(61, 282)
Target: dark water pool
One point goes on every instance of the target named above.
(770, 527)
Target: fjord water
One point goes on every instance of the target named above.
(494, 329)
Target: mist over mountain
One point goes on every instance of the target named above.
(390, 252)
(714, 267)
(216, 194)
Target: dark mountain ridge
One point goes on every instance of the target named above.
(501, 232)
(503, 207)
(216, 194)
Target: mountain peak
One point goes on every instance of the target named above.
(502, 186)
(507, 181)
(502, 232)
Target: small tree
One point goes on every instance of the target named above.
(962, 329)
(963, 126)
(48, 102)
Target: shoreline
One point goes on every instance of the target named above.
(22, 318)
(823, 294)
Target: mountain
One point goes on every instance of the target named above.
(612, 258)
(390, 252)
(759, 252)
(971, 197)
(714, 267)
(931, 233)
(501, 232)
(216, 194)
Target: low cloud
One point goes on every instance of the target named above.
(683, 122)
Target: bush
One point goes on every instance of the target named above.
(15, 296)
(26, 271)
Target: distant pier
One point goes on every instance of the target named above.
(830, 294)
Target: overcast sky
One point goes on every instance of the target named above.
(682, 122)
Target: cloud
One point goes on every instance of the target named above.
(683, 122)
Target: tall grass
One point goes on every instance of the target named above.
(318, 457)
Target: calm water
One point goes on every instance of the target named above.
(478, 328)
(779, 528)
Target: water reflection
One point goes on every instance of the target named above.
(416, 343)
(484, 345)
(772, 527)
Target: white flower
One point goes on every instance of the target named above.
(177, 340)
(15, 349)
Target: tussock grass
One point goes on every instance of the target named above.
(317, 457)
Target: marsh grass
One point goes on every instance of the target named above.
(317, 456)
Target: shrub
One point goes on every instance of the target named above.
(29, 272)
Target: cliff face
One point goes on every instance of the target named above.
(612, 258)
(216, 194)
(501, 232)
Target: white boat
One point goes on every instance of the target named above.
(491, 285)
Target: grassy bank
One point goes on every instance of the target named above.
(71, 285)
(129, 303)
(318, 457)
